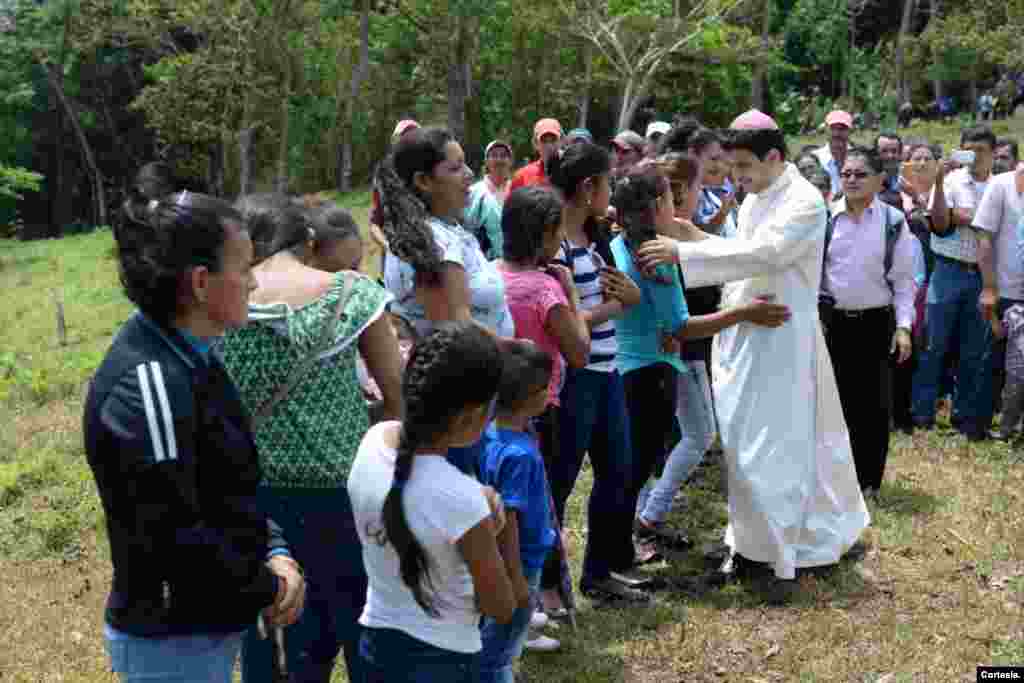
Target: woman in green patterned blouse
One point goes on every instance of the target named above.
(308, 440)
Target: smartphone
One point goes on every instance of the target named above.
(964, 157)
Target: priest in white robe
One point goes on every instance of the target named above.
(794, 500)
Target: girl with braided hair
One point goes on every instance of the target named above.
(434, 266)
(428, 530)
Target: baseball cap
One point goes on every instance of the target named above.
(839, 118)
(658, 127)
(497, 143)
(580, 133)
(754, 119)
(545, 126)
(628, 139)
(402, 127)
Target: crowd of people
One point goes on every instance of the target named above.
(298, 462)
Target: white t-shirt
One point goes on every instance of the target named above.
(441, 504)
(1000, 213)
(486, 287)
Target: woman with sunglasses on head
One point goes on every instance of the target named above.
(169, 443)
(295, 366)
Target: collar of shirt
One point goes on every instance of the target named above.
(840, 209)
(199, 345)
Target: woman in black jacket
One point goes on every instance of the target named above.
(170, 447)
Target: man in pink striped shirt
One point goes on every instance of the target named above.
(862, 299)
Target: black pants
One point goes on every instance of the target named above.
(859, 346)
(651, 401)
(902, 392)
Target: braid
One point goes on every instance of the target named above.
(404, 221)
(453, 353)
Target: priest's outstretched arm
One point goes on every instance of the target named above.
(783, 238)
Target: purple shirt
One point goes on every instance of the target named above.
(855, 264)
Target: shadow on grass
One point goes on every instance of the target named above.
(904, 498)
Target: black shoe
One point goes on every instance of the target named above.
(663, 535)
(782, 592)
(611, 591)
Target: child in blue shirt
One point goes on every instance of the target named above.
(511, 463)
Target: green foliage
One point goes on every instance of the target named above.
(15, 180)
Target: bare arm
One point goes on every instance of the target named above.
(490, 580)
(448, 300)
(508, 546)
(761, 313)
(378, 346)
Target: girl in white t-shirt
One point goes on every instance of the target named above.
(428, 530)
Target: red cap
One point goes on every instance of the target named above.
(545, 126)
(839, 118)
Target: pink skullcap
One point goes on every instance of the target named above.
(754, 120)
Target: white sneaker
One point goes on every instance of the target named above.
(541, 643)
(539, 620)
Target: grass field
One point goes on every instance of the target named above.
(940, 590)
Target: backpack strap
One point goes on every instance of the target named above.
(894, 221)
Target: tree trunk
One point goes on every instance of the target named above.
(348, 124)
(245, 136)
(583, 103)
(937, 83)
(760, 66)
(630, 101)
(459, 74)
(973, 90)
(281, 177)
(901, 38)
(99, 195)
(215, 169)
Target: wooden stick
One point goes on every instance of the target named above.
(62, 328)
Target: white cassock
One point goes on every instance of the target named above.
(794, 500)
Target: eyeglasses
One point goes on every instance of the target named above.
(859, 175)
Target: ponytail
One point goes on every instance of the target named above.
(458, 355)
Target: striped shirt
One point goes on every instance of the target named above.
(585, 266)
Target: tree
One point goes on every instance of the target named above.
(901, 39)
(636, 44)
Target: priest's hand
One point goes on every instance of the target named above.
(657, 251)
(902, 345)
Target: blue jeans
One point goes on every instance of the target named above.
(953, 311)
(321, 533)
(201, 658)
(503, 643)
(697, 422)
(392, 656)
(593, 418)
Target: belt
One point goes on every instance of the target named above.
(861, 312)
(962, 265)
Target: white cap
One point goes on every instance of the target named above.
(654, 127)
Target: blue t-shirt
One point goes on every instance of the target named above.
(511, 463)
(662, 309)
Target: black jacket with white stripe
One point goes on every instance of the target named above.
(170, 447)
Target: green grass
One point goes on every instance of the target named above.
(940, 590)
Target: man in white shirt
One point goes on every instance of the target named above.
(961, 295)
(997, 219)
(833, 155)
(794, 499)
(861, 291)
